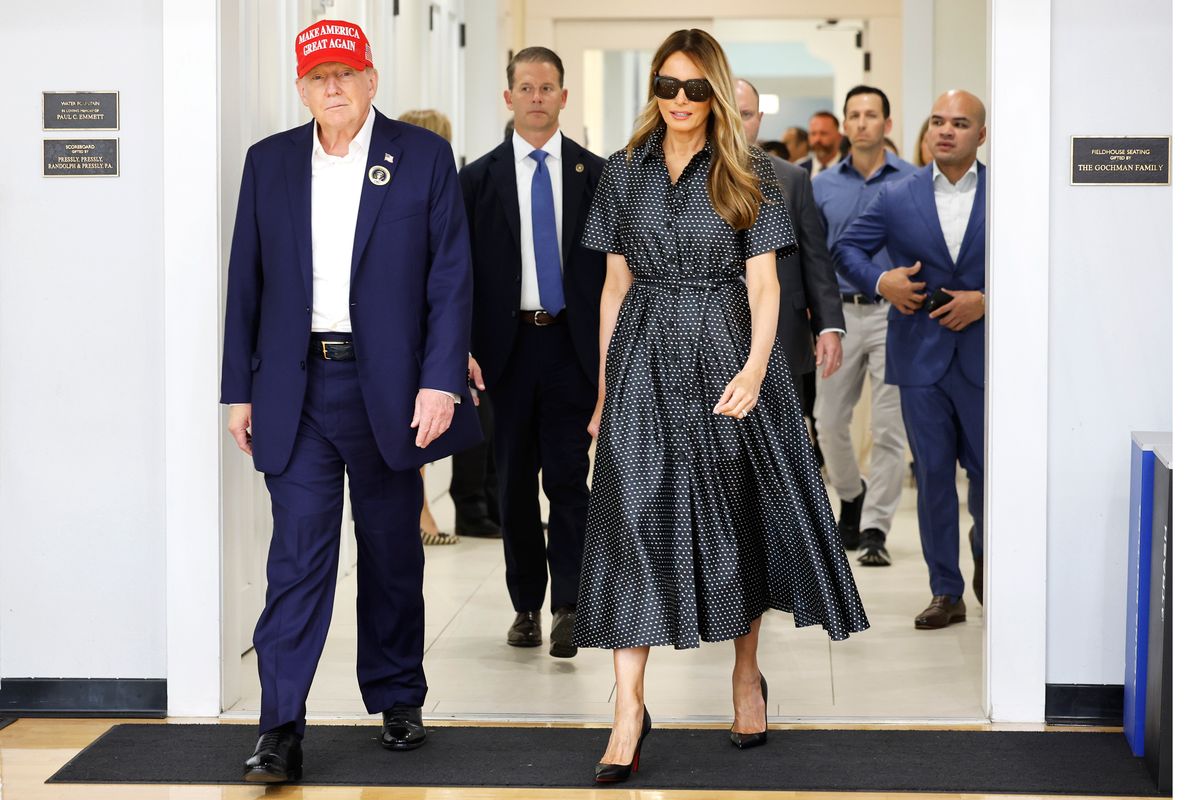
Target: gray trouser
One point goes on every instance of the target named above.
(863, 351)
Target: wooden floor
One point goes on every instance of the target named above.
(31, 750)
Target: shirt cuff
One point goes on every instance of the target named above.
(835, 330)
(877, 280)
(451, 395)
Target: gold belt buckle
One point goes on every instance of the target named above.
(325, 352)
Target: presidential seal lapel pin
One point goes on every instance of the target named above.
(379, 175)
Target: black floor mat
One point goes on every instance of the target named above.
(808, 760)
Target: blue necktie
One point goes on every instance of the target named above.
(545, 237)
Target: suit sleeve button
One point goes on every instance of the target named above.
(301, 366)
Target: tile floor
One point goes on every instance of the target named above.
(890, 672)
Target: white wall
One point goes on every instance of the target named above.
(81, 351)
(1110, 321)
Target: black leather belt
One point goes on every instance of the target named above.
(331, 350)
(859, 299)
(542, 318)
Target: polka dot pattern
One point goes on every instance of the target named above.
(698, 523)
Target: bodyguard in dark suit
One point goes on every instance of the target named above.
(535, 337)
(809, 299)
(934, 222)
(346, 333)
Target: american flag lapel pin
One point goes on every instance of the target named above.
(388, 158)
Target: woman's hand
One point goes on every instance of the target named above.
(594, 425)
(741, 395)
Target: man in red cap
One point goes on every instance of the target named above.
(346, 332)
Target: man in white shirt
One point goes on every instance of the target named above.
(346, 335)
(535, 335)
(932, 223)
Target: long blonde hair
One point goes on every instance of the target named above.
(429, 119)
(732, 182)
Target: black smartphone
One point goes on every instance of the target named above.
(938, 299)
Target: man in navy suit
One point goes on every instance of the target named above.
(346, 333)
(536, 338)
(933, 221)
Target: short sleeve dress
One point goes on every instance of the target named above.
(698, 523)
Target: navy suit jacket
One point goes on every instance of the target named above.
(904, 219)
(490, 191)
(410, 292)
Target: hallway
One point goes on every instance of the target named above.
(890, 672)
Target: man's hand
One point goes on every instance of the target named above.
(432, 415)
(829, 352)
(474, 377)
(239, 426)
(897, 287)
(965, 308)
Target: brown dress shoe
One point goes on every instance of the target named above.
(943, 610)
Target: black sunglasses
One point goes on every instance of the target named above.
(697, 90)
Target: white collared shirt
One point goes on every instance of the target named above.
(954, 202)
(337, 183)
(525, 166)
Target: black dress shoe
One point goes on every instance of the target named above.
(616, 773)
(744, 740)
(943, 610)
(850, 517)
(402, 728)
(482, 528)
(526, 630)
(277, 758)
(561, 629)
(977, 578)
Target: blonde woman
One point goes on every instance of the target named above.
(922, 155)
(707, 507)
(429, 119)
(439, 123)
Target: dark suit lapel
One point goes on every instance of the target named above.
(975, 222)
(503, 172)
(574, 183)
(922, 193)
(299, 181)
(384, 141)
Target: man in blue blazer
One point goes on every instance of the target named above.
(346, 335)
(536, 336)
(933, 221)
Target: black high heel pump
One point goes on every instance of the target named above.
(616, 773)
(744, 740)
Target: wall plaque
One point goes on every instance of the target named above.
(80, 158)
(1121, 160)
(93, 111)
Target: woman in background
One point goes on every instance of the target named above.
(922, 155)
(707, 506)
(439, 123)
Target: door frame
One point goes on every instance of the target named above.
(1017, 405)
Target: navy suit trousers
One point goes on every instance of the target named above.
(945, 428)
(334, 440)
(542, 403)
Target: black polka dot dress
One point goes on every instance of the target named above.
(698, 523)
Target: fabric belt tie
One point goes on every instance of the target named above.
(687, 283)
(545, 238)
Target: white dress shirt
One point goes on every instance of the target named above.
(526, 166)
(954, 202)
(337, 183)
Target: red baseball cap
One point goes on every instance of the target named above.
(332, 40)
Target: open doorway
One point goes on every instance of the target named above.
(891, 672)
